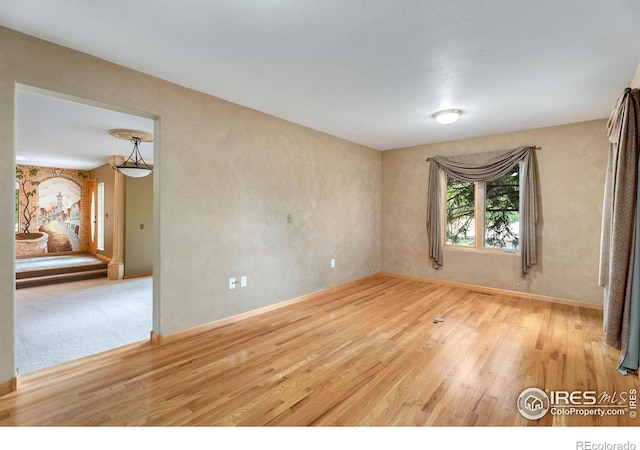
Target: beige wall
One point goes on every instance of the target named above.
(138, 229)
(226, 177)
(571, 166)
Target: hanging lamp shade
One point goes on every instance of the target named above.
(134, 166)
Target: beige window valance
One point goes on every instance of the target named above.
(486, 166)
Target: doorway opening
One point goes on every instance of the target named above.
(70, 308)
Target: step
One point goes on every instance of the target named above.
(59, 270)
(61, 278)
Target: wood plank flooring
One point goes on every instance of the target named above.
(367, 354)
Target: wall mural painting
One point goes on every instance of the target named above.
(59, 202)
(53, 205)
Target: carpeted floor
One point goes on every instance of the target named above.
(63, 322)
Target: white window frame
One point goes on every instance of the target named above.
(479, 220)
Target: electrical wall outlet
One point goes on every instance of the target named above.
(232, 283)
(333, 263)
(243, 281)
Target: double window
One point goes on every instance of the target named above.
(483, 214)
(490, 202)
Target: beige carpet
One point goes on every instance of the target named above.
(67, 321)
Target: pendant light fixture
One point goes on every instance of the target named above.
(134, 166)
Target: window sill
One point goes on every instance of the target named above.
(488, 251)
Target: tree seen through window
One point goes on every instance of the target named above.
(498, 202)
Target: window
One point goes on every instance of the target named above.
(503, 217)
(17, 214)
(461, 204)
(93, 214)
(100, 217)
(483, 215)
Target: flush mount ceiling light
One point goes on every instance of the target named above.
(447, 116)
(134, 166)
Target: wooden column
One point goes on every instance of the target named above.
(115, 269)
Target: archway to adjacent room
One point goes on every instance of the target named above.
(62, 138)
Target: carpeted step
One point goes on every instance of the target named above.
(65, 277)
(36, 273)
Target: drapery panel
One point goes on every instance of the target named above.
(486, 166)
(619, 249)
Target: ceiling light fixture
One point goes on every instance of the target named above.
(447, 116)
(134, 166)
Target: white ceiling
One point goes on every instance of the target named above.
(56, 132)
(370, 71)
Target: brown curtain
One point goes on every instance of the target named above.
(486, 166)
(618, 247)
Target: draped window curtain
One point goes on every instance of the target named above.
(620, 242)
(486, 166)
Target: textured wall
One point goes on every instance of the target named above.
(226, 177)
(571, 167)
(138, 251)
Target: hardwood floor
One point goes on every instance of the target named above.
(367, 354)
